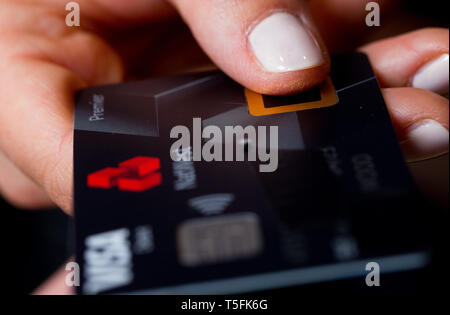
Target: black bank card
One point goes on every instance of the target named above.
(340, 197)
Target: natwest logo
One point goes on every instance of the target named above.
(137, 174)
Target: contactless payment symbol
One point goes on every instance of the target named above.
(318, 97)
(137, 174)
(211, 204)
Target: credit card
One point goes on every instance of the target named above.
(339, 198)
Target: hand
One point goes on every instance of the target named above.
(419, 59)
(43, 62)
(41, 69)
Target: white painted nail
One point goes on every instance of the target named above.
(281, 43)
(426, 139)
(433, 76)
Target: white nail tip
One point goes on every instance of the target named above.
(282, 43)
(426, 139)
(433, 76)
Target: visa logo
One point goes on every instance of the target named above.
(108, 261)
(137, 174)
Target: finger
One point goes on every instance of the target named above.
(421, 120)
(19, 190)
(115, 13)
(419, 59)
(270, 46)
(55, 285)
(39, 77)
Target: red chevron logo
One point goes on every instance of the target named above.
(137, 174)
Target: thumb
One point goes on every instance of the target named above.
(269, 46)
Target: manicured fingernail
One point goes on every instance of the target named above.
(433, 76)
(281, 43)
(426, 139)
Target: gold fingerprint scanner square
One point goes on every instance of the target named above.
(323, 95)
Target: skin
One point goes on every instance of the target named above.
(43, 63)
